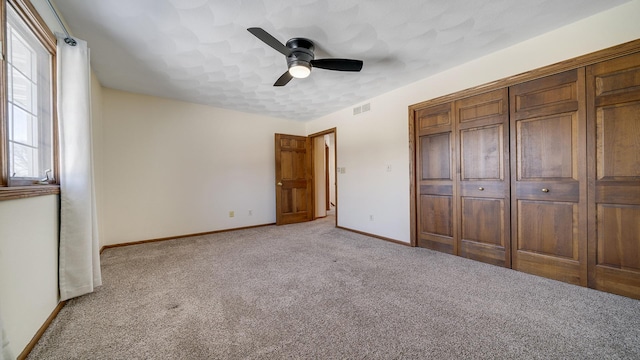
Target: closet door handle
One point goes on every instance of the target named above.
(279, 183)
(545, 190)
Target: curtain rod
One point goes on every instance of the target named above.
(69, 40)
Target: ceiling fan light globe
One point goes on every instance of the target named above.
(299, 71)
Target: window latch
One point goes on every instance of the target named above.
(47, 179)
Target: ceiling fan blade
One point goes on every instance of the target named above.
(338, 64)
(269, 40)
(284, 79)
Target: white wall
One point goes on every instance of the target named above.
(174, 168)
(28, 266)
(367, 143)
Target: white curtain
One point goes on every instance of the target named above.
(5, 354)
(79, 266)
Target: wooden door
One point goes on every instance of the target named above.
(293, 179)
(613, 93)
(434, 178)
(548, 164)
(482, 148)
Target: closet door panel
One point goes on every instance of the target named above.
(618, 243)
(547, 232)
(482, 130)
(617, 131)
(551, 95)
(435, 151)
(436, 222)
(435, 178)
(481, 155)
(614, 171)
(482, 220)
(548, 149)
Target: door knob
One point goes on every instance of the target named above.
(545, 190)
(279, 183)
(481, 188)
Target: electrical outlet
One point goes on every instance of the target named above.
(250, 212)
(232, 213)
(388, 168)
(370, 217)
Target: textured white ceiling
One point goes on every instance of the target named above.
(200, 51)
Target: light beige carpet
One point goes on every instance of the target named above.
(311, 291)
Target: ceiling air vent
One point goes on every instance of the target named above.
(360, 109)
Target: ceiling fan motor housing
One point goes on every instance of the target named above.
(301, 52)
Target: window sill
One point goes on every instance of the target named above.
(20, 192)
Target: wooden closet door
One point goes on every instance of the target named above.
(613, 92)
(482, 148)
(434, 176)
(548, 164)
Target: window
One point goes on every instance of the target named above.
(29, 103)
(29, 153)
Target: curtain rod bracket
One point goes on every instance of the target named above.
(69, 40)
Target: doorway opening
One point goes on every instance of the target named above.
(325, 187)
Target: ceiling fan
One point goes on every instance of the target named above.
(300, 58)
